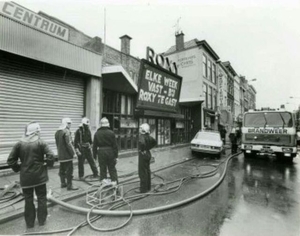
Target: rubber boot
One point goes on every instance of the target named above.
(70, 185)
(63, 182)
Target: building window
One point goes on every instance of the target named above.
(215, 100)
(209, 72)
(204, 66)
(209, 100)
(205, 94)
(123, 104)
(214, 76)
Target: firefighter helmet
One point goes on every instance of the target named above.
(32, 128)
(145, 128)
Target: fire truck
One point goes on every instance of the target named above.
(269, 132)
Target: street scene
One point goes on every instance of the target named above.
(149, 118)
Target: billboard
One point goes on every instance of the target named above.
(159, 89)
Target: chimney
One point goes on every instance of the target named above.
(179, 41)
(125, 44)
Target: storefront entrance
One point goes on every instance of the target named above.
(160, 129)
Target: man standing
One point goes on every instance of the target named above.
(223, 134)
(66, 153)
(105, 146)
(82, 143)
(146, 143)
(233, 140)
(33, 172)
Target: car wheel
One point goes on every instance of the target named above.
(193, 153)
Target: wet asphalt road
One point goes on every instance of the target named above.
(257, 197)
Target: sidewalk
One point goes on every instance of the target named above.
(127, 164)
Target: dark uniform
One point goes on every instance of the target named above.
(105, 146)
(33, 175)
(223, 135)
(66, 153)
(82, 143)
(234, 142)
(146, 143)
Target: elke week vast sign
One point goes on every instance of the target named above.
(25, 16)
(159, 89)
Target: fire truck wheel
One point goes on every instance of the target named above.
(248, 155)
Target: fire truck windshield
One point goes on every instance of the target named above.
(271, 119)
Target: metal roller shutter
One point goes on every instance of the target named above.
(30, 90)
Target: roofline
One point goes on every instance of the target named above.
(223, 67)
(252, 88)
(230, 67)
(208, 48)
(185, 49)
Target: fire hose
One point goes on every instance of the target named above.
(130, 212)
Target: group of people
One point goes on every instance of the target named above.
(31, 156)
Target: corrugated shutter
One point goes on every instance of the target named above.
(30, 90)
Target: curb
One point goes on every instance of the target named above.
(17, 213)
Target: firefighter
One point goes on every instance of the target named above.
(223, 134)
(66, 154)
(146, 142)
(234, 140)
(31, 151)
(82, 143)
(105, 147)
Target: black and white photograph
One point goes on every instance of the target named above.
(150, 117)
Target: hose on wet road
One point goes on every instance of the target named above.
(129, 213)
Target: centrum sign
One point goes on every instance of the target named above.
(25, 16)
(159, 89)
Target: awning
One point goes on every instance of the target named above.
(116, 78)
(158, 114)
(191, 101)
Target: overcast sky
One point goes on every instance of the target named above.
(261, 38)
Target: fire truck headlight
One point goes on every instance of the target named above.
(248, 147)
(288, 150)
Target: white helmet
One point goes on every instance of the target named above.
(104, 122)
(145, 128)
(65, 122)
(85, 121)
(32, 128)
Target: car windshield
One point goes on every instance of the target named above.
(282, 119)
(208, 136)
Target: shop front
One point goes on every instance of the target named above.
(158, 103)
(210, 119)
(119, 93)
(43, 77)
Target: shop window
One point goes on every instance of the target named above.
(163, 132)
(118, 108)
(123, 104)
(129, 106)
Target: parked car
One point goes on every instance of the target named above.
(207, 142)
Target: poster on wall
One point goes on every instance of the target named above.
(159, 89)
